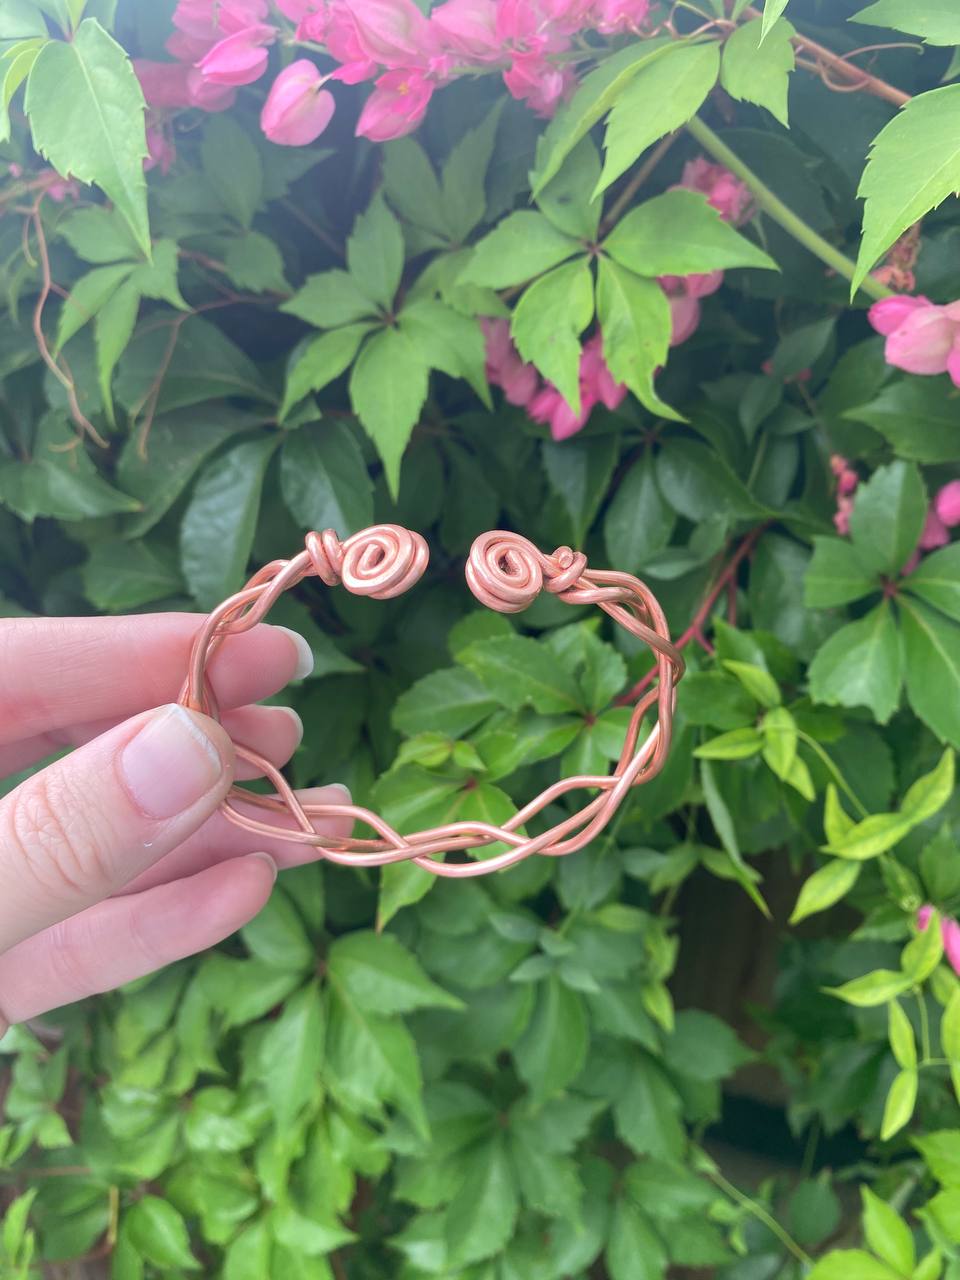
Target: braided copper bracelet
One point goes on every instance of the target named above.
(506, 573)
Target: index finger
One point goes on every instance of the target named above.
(56, 672)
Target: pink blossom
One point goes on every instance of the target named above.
(613, 17)
(309, 15)
(298, 108)
(549, 407)
(841, 519)
(542, 85)
(207, 95)
(396, 106)
(392, 32)
(923, 917)
(949, 932)
(934, 533)
(730, 197)
(164, 84)
(684, 293)
(297, 10)
(504, 368)
(597, 386)
(240, 58)
(922, 337)
(468, 28)
(684, 319)
(947, 504)
(160, 149)
(596, 380)
(343, 42)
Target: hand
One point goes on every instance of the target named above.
(113, 860)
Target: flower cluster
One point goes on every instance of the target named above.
(922, 336)
(221, 44)
(943, 514)
(543, 402)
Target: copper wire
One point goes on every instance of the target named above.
(505, 572)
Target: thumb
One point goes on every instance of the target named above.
(82, 828)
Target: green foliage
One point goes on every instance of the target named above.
(389, 1073)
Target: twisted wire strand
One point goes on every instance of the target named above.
(505, 572)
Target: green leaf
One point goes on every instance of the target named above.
(568, 199)
(552, 1049)
(638, 522)
(522, 246)
(825, 887)
(888, 515)
(836, 575)
(120, 576)
(779, 740)
(86, 112)
(886, 1233)
(464, 176)
(931, 647)
(647, 1111)
(381, 976)
(218, 525)
(738, 744)
(276, 935)
(873, 988)
(324, 479)
(872, 836)
(900, 1103)
(579, 472)
(772, 10)
(850, 1264)
(411, 186)
(937, 21)
(758, 683)
(941, 1154)
(88, 295)
(547, 322)
(936, 579)
(60, 489)
(513, 670)
(660, 98)
(904, 1048)
(321, 360)
(233, 168)
(634, 315)
(703, 1047)
(388, 385)
(480, 1219)
(254, 262)
(113, 329)
(19, 62)
(950, 1038)
(596, 94)
(862, 664)
(913, 166)
(451, 701)
(159, 1233)
(375, 253)
(697, 483)
(330, 299)
(917, 415)
(836, 822)
(634, 1250)
(930, 793)
(291, 1054)
(679, 233)
(448, 341)
(923, 953)
(756, 67)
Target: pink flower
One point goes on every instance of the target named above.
(396, 106)
(684, 319)
(343, 42)
(240, 58)
(702, 285)
(949, 931)
(730, 197)
(504, 368)
(392, 32)
(922, 337)
(297, 10)
(684, 293)
(934, 533)
(164, 84)
(596, 380)
(947, 504)
(161, 151)
(541, 84)
(549, 407)
(298, 108)
(596, 387)
(612, 17)
(468, 28)
(841, 519)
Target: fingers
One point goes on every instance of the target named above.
(78, 830)
(275, 732)
(219, 839)
(57, 672)
(117, 941)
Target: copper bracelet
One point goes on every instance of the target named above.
(505, 572)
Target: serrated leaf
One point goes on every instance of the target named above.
(451, 701)
(523, 245)
(88, 295)
(913, 166)
(826, 886)
(887, 517)
(514, 671)
(568, 199)
(380, 976)
(547, 322)
(931, 645)
(291, 1054)
(862, 664)
(660, 98)
(120, 576)
(552, 1049)
(936, 21)
(579, 473)
(86, 112)
(233, 168)
(160, 1234)
(19, 61)
(757, 62)
(480, 1219)
(679, 233)
(324, 479)
(388, 385)
(836, 575)
(634, 317)
(638, 522)
(937, 580)
(321, 360)
(772, 10)
(330, 299)
(375, 253)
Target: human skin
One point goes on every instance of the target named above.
(113, 860)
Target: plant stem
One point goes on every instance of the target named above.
(761, 1215)
(925, 1052)
(774, 206)
(837, 776)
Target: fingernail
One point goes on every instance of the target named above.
(298, 723)
(304, 653)
(170, 764)
(265, 857)
(344, 797)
